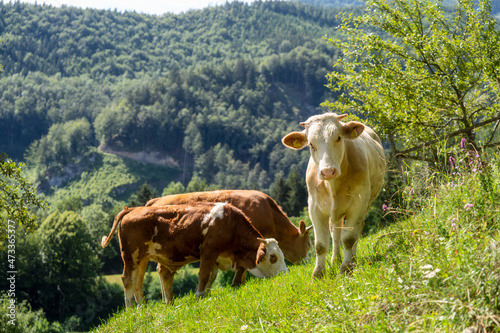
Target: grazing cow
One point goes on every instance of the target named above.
(344, 175)
(180, 234)
(262, 211)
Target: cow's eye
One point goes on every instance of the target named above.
(273, 258)
(339, 138)
(312, 146)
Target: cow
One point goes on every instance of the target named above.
(181, 234)
(344, 175)
(262, 211)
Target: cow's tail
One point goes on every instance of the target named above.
(151, 202)
(105, 240)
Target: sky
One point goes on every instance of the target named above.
(156, 7)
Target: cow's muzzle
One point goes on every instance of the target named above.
(328, 173)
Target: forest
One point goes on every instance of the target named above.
(230, 79)
(109, 109)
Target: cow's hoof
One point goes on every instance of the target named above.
(319, 272)
(200, 294)
(346, 269)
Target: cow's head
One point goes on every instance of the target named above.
(325, 136)
(296, 247)
(270, 260)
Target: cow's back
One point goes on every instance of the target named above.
(370, 147)
(261, 210)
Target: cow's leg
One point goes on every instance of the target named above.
(207, 263)
(239, 277)
(138, 293)
(166, 281)
(321, 239)
(211, 279)
(336, 231)
(350, 235)
(129, 278)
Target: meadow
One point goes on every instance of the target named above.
(437, 269)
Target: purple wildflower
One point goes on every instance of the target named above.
(452, 162)
(385, 208)
(468, 206)
(462, 143)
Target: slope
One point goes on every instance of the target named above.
(437, 269)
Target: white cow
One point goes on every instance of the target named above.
(344, 175)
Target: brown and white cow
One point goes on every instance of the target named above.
(180, 234)
(344, 175)
(262, 211)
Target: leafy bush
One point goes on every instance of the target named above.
(26, 320)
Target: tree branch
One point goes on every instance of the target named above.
(452, 134)
(493, 133)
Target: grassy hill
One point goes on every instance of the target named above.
(110, 180)
(436, 270)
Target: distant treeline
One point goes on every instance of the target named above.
(73, 41)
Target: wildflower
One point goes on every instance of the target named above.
(474, 170)
(431, 274)
(468, 206)
(453, 226)
(244, 327)
(385, 208)
(462, 143)
(453, 162)
(429, 271)
(389, 245)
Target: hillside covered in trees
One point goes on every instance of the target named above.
(213, 90)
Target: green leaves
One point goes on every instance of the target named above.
(415, 71)
(17, 197)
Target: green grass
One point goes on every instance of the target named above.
(436, 270)
(117, 278)
(112, 179)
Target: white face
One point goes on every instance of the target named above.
(326, 144)
(325, 135)
(273, 263)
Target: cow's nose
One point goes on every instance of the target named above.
(328, 173)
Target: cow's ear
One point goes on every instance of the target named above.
(352, 129)
(303, 228)
(263, 240)
(261, 253)
(295, 140)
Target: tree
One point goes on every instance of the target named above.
(296, 198)
(419, 75)
(17, 198)
(143, 195)
(69, 264)
(173, 188)
(279, 189)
